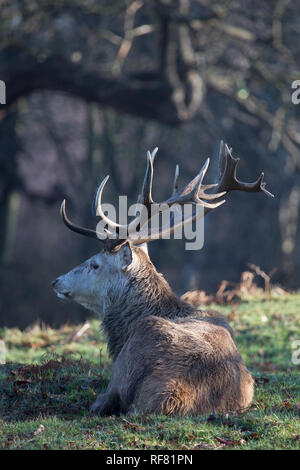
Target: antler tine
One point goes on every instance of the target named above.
(100, 213)
(108, 243)
(145, 197)
(175, 183)
(98, 206)
(189, 192)
(193, 191)
(75, 228)
(222, 159)
(228, 179)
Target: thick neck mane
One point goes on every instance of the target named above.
(147, 293)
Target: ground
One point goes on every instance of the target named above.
(51, 376)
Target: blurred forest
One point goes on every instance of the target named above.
(91, 85)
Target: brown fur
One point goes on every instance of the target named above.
(169, 357)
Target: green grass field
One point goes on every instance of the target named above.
(50, 379)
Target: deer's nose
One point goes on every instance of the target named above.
(54, 282)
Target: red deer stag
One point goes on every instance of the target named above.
(168, 357)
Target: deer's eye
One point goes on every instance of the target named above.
(94, 266)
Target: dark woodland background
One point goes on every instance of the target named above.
(91, 85)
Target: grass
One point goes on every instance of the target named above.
(49, 380)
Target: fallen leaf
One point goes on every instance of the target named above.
(132, 426)
(230, 442)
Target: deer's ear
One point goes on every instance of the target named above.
(125, 254)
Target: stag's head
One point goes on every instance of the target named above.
(123, 261)
(101, 280)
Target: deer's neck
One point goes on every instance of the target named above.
(147, 293)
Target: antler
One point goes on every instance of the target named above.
(193, 193)
(108, 243)
(228, 180)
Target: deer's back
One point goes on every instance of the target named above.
(199, 338)
(182, 365)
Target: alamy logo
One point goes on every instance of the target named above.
(163, 221)
(2, 352)
(2, 92)
(296, 93)
(296, 352)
